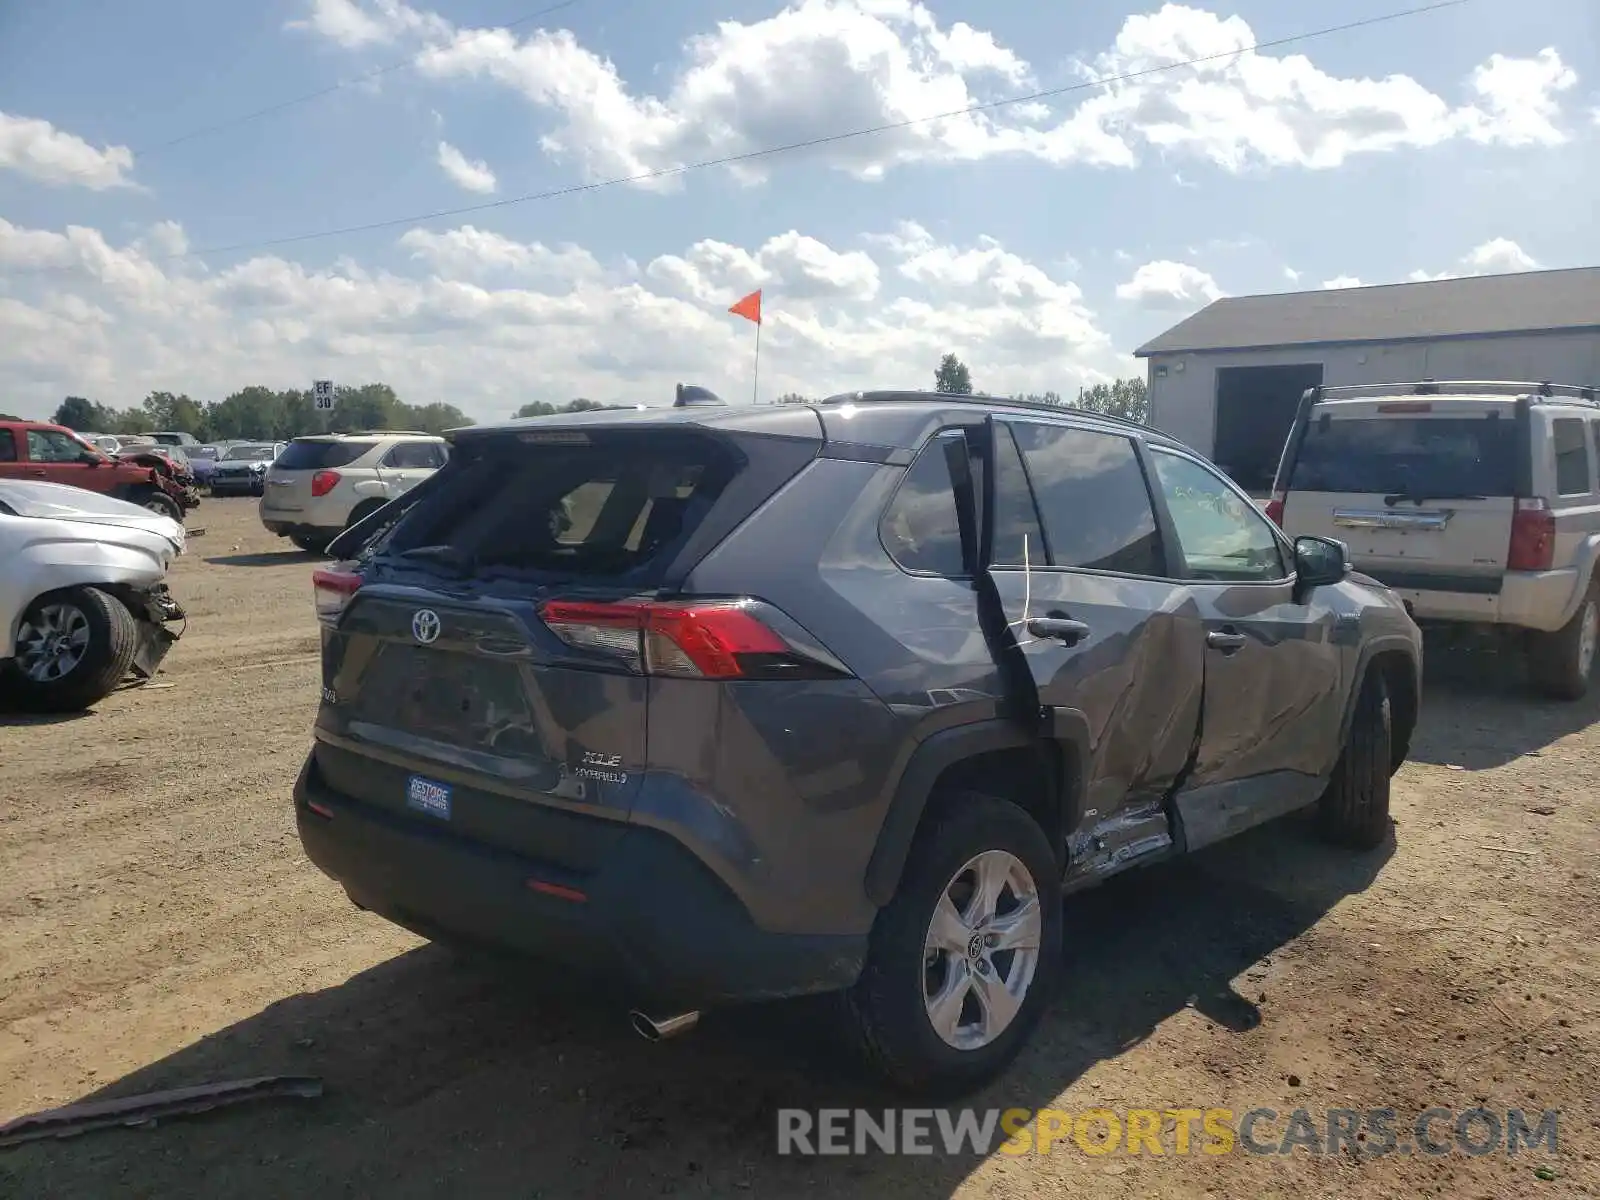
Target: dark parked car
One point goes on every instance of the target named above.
(241, 468)
(743, 703)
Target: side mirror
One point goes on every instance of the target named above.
(1319, 561)
(89, 458)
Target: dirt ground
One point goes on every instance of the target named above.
(159, 928)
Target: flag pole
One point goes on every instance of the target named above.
(755, 385)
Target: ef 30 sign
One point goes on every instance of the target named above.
(322, 394)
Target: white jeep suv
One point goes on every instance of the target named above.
(1476, 502)
(321, 485)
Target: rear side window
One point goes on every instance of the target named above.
(1572, 457)
(8, 446)
(1092, 497)
(921, 528)
(613, 509)
(1431, 458)
(414, 456)
(321, 456)
(1016, 520)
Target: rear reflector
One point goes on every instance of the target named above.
(558, 890)
(1533, 537)
(324, 482)
(1274, 509)
(708, 639)
(331, 592)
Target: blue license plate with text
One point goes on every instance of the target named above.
(425, 795)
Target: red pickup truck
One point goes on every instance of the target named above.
(38, 450)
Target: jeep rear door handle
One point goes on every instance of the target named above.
(1224, 641)
(1068, 632)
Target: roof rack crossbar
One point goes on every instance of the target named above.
(995, 401)
(1434, 387)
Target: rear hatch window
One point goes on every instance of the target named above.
(1431, 458)
(1423, 502)
(609, 510)
(321, 456)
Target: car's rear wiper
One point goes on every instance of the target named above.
(445, 554)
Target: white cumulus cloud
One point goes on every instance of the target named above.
(39, 151)
(488, 322)
(819, 68)
(472, 174)
(1167, 285)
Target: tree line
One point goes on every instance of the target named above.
(261, 413)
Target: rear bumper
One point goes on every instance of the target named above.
(1541, 600)
(652, 918)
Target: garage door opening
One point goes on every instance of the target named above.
(1255, 408)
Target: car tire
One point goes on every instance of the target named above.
(159, 502)
(1354, 810)
(106, 656)
(311, 543)
(1560, 664)
(889, 1013)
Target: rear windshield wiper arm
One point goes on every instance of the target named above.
(1395, 497)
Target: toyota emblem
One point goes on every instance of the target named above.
(425, 626)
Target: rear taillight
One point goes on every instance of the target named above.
(324, 482)
(331, 592)
(1533, 537)
(704, 639)
(1274, 508)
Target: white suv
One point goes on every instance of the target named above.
(321, 485)
(1476, 502)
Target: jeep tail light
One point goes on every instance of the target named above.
(694, 639)
(1274, 508)
(324, 482)
(331, 592)
(1533, 537)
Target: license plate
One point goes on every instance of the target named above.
(425, 795)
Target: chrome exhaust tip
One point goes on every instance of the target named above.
(659, 1029)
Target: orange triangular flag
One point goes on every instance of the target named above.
(749, 308)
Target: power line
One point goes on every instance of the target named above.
(296, 101)
(827, 139)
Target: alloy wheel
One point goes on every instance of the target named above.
(51, 645)
(981, 950)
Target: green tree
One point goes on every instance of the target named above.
(952, 378)
(9, 417)
(1039, 397)
(581, 405)
(538, 408)
(436, 417)
(77, 412)
(1126, 398)
(793, 398)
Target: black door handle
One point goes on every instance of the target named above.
(1225, 641)
(1063, 630)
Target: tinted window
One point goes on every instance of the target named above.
(1221, 534)
(1432, 458)
(1093, 499)
(52, 446)
(8, 446)
(321, 456)
(1016, 521)
(250, 453)
(614, 509)
(414, 455)
(921, 528)
(1572, 458)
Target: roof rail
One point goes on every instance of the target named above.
(887, 397)
(1435, 387)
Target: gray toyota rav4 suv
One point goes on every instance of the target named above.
(741, 703)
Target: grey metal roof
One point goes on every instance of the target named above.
(1525, 302)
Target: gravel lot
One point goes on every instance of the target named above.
(159, 927)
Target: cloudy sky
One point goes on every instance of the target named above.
(151, 239)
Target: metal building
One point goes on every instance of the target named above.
(1227, 380)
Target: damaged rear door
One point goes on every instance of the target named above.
(1111, 649)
